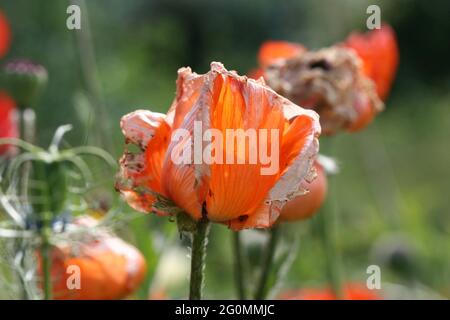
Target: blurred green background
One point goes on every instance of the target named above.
(392, 194)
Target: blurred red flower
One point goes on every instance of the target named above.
(344, 86)
(380, 55)
(5, 35)
(271, 51)
(8, 123)
(352, 291)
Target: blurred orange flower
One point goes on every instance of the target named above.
(5, 35)
(8, 123)
(344, 86)
(304, 206)
(232, 193)
(271, 51)
(109, 268)
(380, 55)
(352, 291)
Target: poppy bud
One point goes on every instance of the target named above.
(24, 80)
(95, 267)
(304, 206)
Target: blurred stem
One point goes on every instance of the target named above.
(21, 268)
(328, 233)
(93, 87)
(45, 226)
(27, 120)
(198, 254)
(261, 291)
(144, 241)
(27, 133)
(239, 266)
(46, 263)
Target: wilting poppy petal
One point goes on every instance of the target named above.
(294, 176)
(271, 51)
(5, 35)
(8, 123)
(151, 133)
(380, 55)
(352, 291)
(188, 91)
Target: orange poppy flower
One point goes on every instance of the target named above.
(304, 206)
(5, 35)
(109, 268)
(332, 81)
(380, 55)
(352, 291)
(236, 194)
(8, 123)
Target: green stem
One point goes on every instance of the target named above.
(328, 233)
(239, 266)
(198, 254)
(27, 120)
(27, 133)
(44, 173)
(20, 248)
(46, 263)
(262, 288)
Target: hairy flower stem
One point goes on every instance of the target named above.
(262, 288)
(328, 232)
(198, 255)
(239, 266)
